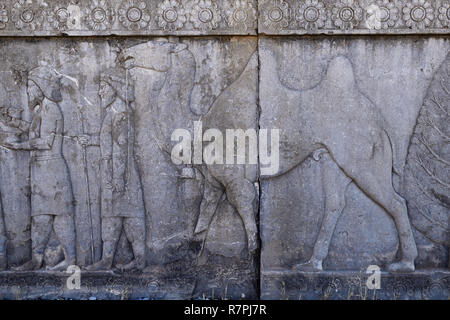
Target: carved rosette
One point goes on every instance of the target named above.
(58, 17)
(27, 15)
(418, 14)
(171, 15)
(444, 14)
(204, 14)
(311, 15)
(134, 15)
(165, 17)
(241, 14)
(276, 15)
(383, 14)
(99, 15)
(346, 14)
(4, 17)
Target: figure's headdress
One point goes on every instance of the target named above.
(48, 81)
(116, 78)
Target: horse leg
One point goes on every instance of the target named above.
(241, 194)
(333, 180)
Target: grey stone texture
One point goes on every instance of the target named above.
(359, 91)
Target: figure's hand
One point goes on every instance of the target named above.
(119, 185)
(14, 145)
(109, 185)
(33, 143)
(84, 140)
(5, 117)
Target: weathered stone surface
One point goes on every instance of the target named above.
(347, 285)
(127, 17)
(301, 209)
(122, 188)
(189, 149)
(353, 17)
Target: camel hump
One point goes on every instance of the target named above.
(340, 73)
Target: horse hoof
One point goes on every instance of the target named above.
(401, 267)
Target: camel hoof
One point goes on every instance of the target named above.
(401, 267)
(310, 266)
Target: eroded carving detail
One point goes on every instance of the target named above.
(418, 14)
(171, 15)
(27, 15)
(241, 14)
(204, 14)
(276, 15)
(134, 15)
(99, 15)
(346, 14)
(4, 18)
(311, 15)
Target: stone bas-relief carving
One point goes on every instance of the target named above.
(305, 227)
(122, 203)
(89, 134)
(132, 210)
(206, 17)
(353, 16)
(426, 184)
(367, 159)
(51, 193)
(147, 17)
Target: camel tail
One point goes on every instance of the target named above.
(397, 167)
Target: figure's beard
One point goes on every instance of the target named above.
(106, 102)
(33, 103)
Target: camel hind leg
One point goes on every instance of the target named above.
(374, 178)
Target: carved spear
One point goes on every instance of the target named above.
(88, 189)
(86, 173)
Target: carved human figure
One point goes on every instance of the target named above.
(122, 203)
(51, 191)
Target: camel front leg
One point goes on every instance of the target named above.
(334, 183)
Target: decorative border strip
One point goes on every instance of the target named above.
(127, 17)
(354, 16)
(222, 17)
